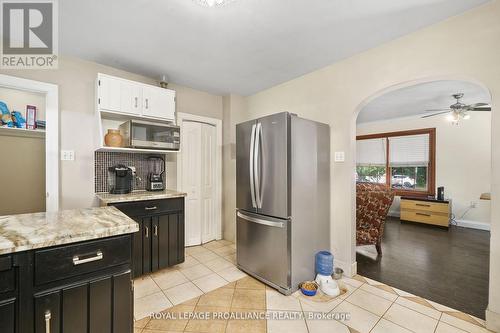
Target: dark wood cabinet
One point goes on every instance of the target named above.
(9, 294)
(160, 240)
(84, 287)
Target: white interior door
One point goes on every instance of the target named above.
(191, 180)
(208, 155)
(198, 156)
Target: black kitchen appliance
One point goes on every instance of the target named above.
(155, 175)
(122, 176)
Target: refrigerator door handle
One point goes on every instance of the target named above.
(252, 154)
(258, 138)
(260, 221)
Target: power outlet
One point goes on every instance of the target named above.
(67, 155)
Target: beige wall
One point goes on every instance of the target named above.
(460, 151)
(22, 179)
(233, 105)
(76, 81)
(17, 100)
(335, 94)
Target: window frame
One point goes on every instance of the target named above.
(431, 168)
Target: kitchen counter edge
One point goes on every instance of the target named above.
(107, 198)
(24, 232)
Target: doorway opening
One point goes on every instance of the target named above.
(200, 176)
(29, 134)
(423, 179)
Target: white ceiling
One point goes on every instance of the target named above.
(414, 100)
(244, 47)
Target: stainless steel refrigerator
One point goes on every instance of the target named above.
(282, 198)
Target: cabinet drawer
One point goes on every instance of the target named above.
(436, 207)
(425, 217)
(73, 260)
(141, 208)
(7, 275)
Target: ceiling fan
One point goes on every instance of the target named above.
(459, 110)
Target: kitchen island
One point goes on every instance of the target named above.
(66, 271)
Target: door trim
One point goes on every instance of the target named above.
(51, 92)
(181, 117)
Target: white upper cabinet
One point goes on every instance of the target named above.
(158, 103)
(131, 98)
(109, 93)
(128, 97)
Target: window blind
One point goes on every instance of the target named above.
(411, 150)
(371, 152)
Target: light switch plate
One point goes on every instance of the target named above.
(339, 156)
(67, 155)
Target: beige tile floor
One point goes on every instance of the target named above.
(215, 286)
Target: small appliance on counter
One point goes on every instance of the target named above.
(155, 175)
(122, 176)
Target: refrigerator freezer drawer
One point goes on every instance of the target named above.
(264, 248)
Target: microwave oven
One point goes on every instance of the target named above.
(150, 135)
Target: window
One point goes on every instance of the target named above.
(402, 160)
(371, 160)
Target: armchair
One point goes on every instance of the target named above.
(372, 205)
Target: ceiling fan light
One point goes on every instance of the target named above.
(451, 117)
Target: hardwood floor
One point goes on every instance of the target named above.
(450, 267)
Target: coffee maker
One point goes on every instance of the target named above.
(122, 176)
(155, 175)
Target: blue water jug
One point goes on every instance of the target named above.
(324, 263)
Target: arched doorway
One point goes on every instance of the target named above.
(394, 115)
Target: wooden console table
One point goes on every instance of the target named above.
(426, 210)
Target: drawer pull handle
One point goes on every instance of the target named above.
(147, 231)
(422, 214)
(78, 261)
(155, 230)
(48, 316)
(422, 205)
(151, 208)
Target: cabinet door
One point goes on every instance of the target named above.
(176, 238)
(75, 305)
(131, 98)
(47, 312)
(158, 103)
(100, 301)
(146, 245)
(155, 244)
(8, 316)
(109, 93)
(170, 240)
(163, 241)
(123, 303)
(137, 248)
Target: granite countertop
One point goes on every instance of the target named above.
(108, 198)
(32, 231)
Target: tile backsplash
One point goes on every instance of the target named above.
(104, 160)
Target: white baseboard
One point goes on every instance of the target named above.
(473, 224)
(349, 269)
(492, 320)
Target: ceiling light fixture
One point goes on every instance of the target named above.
(213, 3)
